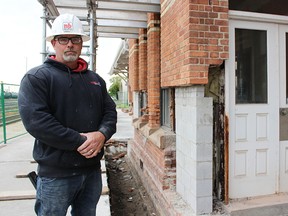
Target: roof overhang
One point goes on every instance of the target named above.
(120, 66)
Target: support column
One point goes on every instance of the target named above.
(153, 61)
(134, 75)
(92, 49)
(143, 59)
(44, 18)
(194, 129)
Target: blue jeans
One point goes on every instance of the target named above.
(81, 192)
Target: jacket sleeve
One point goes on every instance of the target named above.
(109, 120)
(36, 114)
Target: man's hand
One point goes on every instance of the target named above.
(93, 145)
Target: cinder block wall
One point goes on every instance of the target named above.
(194, 127)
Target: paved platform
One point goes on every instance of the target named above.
(17, 194)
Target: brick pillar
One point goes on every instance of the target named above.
(194, 35)
(143, 59)
(134, 64)
(134, 75)
(153, 53)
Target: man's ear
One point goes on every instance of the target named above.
(53, 42)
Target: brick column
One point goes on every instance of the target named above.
(134, 64)
(143, 59)
(194, 35)
(153, 62)
(134, 75)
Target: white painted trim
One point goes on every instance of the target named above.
(227, 85)
(282, 58)
(259, 17)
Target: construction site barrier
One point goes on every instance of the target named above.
(10, 121)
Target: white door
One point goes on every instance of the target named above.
(253, 96)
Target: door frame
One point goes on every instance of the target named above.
(283, 145)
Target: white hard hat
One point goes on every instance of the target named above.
(67, 24)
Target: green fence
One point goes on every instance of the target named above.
(10, 122)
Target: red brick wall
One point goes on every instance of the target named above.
(153, 61)
(134, 65)
(194, 34)
(159, 168)
(143, 59)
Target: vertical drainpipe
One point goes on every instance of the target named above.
(91, 48)
(44, 35)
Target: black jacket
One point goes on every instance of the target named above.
(56, 104)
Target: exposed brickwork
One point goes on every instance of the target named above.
(158, 168)
(134, 65)
(194, 35)
(143, 59)
(160, 165)
(179, 48)
(153, 50)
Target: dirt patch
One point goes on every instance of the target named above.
(128, 197)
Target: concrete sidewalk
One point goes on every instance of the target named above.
(17, 194)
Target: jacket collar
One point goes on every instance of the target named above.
(82, 64)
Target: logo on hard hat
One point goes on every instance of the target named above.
(67, 27)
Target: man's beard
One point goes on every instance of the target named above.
(70, 58)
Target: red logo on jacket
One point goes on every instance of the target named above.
(95, 83)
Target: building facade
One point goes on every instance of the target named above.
(207, 81)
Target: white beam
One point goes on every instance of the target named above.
(129, 6)
(115, 35)
(122, 15)
(137, 1)
(117, 29)
(122, 23)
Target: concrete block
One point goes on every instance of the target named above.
(163, 138)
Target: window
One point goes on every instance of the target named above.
(143, 103)
(168, 108)
(251, 66)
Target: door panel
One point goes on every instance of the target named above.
(253, 108)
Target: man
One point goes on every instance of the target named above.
(67, 109)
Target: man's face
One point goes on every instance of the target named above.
(67, 48)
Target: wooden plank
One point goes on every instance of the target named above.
(17, 195)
